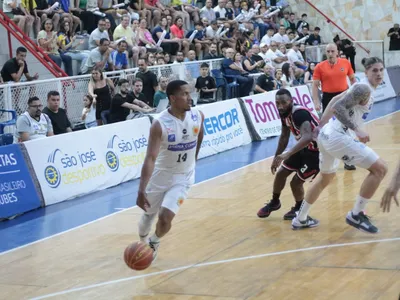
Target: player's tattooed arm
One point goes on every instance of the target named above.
(358, 94)
(283, 140)
(306, 138)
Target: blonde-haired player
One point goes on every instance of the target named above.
(169, 167)
(339, 127)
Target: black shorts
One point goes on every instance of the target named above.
(327, 97)
(305, 163)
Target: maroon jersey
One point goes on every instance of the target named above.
(296, 118)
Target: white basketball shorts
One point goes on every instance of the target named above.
(168, 190)
(335, 146)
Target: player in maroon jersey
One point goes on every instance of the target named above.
(302, 158)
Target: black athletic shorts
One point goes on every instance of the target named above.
(305, 163)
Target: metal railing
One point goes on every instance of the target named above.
(72, 89)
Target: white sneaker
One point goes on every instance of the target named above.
(308, 223)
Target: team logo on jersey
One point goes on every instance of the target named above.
(184, 131)
(196, 130)
(171, 137)
(342, 69)
(194, 117)
(180, 201)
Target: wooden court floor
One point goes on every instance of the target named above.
(219, 249)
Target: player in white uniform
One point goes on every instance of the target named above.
(336, 141)
(169, 167)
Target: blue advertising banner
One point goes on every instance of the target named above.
(17, 191)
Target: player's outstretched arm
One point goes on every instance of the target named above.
(391, 191)
(201, 135)
(153, 149)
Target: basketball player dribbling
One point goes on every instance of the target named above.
(337, 141)
(302, 158)
(169, 167)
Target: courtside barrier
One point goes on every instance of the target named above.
(264, 116)
(17, 190)
(224, 127)
(81, 162)
(384, 91)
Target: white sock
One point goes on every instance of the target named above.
(145, 224)
(154, 238)
(360, 205)
(303, 212)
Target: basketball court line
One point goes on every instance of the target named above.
(123, 210)
(218, 262)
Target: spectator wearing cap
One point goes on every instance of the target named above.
(314, 39)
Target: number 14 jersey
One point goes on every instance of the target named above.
(178, 142)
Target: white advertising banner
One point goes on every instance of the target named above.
(384, 91)
(264, 115)
(78, 163)
(224, 127)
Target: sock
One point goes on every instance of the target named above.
(303, 212)
(360, 205)
(275, 198)
(298, 205)
(154, 238)
(145, 224)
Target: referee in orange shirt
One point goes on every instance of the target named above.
(332, 75)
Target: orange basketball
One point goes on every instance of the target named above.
(138, 256)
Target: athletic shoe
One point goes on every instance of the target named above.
(308, 223)
(267, 209)
(154, 246)
(361, 222)
(291, 214)
(349, 167)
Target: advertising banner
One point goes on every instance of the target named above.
(264, 115)
(224, 127)
(17, 191)
(69, 165)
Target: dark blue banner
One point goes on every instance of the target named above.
(17, 191)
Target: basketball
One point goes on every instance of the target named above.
(138, 256)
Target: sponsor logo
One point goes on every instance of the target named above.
(180, 201)
(195, 130)
(121, 153)
(72, 168)
(171, 138)
(182, 146)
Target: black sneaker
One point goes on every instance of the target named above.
(361, 222)
(267, 209)
(291, 214)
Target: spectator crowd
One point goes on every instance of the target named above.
(261, 45)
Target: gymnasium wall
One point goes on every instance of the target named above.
(362, 19)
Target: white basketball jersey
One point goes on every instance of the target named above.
(179, 141)
(357, 114)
